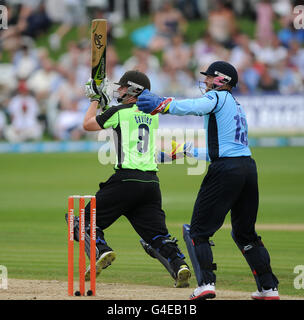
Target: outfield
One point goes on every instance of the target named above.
(33, 236)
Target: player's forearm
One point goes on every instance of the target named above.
(196, 107)
(89, 122)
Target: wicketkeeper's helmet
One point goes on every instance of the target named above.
(224, 70)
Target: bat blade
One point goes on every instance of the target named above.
(98, 47)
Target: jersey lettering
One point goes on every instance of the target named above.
(143, 138)
(241, 134)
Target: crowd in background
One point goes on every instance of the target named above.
(44, 98)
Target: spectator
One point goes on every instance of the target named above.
(192, 8)
(153, 74)
(78, 59)
(243, 59)
(241, 55)
(155, 5)
(288, 77)
(70, 92)
(68, 125)
(203, 46)
(269, 53)
(43, 83)
(23, 111)
(68, 115)
(132, 6)
(176, 82)
(296, 57)
(74, 16)
(288, 33)
(282, 8)
(279, 52)
(168, 21)
(43, 80)
(244, 8)
(9, 38)
(113, 67)
(30, 20)
(267, 82)
(264, 25)
(55, 15)
(37, 21)
(142, 56)
(83, 70)
(25, 60)
(249, 79)
(222, 24)
(114, 24)
(206, 50)
(2, 124)
(71, 58)
(261, 61)
(177, 56)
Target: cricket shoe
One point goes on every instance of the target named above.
(206, 291)
(183, 276)
(102, 262)
(270, 294)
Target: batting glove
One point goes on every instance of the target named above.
(103, 90)
(181, 150)
(98, 92)
(149, 102)
(178, 151)
(90, 91)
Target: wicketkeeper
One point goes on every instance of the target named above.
(231, 182)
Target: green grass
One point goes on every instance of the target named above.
(33, 232)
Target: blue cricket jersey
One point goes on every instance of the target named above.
(224, 120)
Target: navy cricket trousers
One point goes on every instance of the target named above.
(230, 184)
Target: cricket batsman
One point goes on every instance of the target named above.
(133, 190)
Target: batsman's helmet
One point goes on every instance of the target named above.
(134, 77)
(224, 69)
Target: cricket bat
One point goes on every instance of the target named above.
(98, 49)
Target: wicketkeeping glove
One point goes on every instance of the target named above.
(149, 102)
